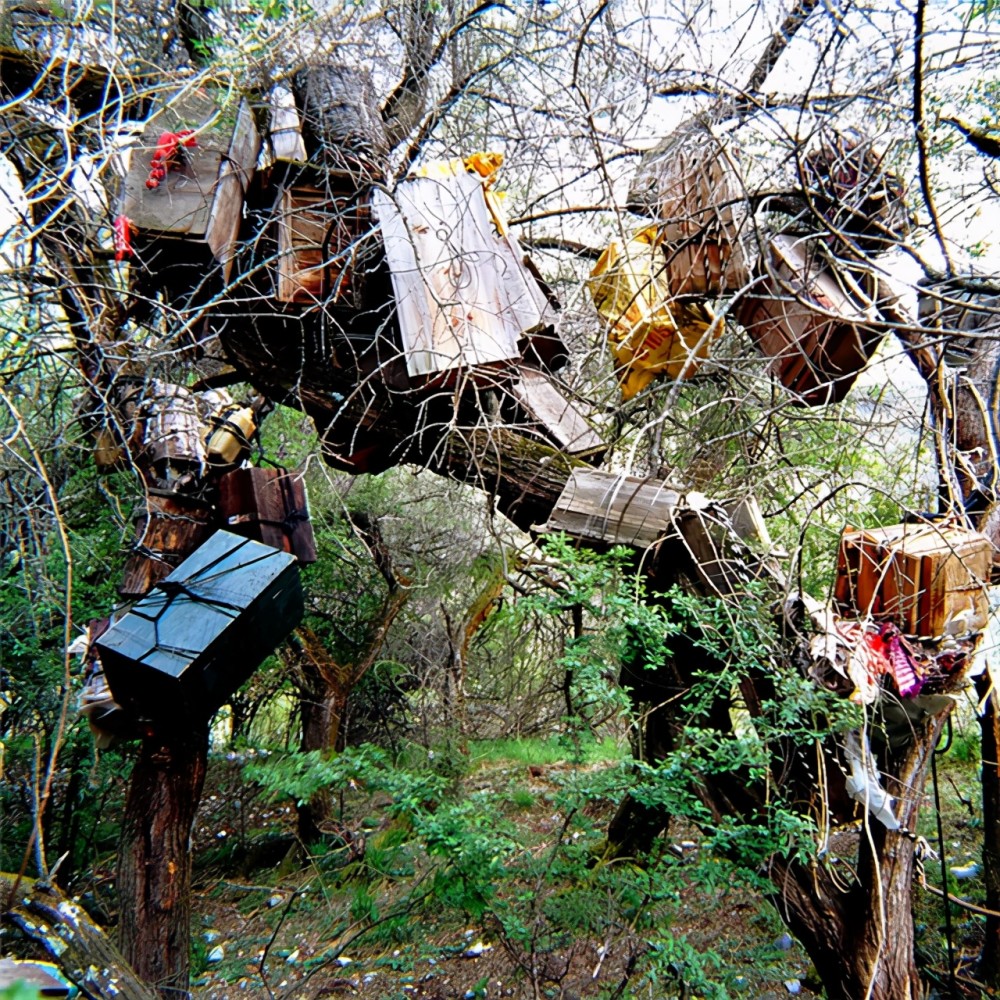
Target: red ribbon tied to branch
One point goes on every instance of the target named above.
(168, 154)
(122, 230)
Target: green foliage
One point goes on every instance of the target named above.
(19, 991)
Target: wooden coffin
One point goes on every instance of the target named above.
(462, 297)
(172, 429)
(167, 530)
(553, 415)
(615, 509)
(930, 579)
(268, 505)
(188, 645)
(318, 243)
(650, 332)
(201, 194)
(818, 326)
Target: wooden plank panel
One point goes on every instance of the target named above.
(454, 308)
(234, 179)
(617, 509)
(562, 422)
(285, 132)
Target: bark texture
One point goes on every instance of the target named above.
(154, 858)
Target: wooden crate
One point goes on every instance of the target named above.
(184, 649)
(928, 578)
(268, 505)
(608, 507)
(818, 326)
(203, 200)
(318, 243)
(167, 530)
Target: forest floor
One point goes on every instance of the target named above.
(379, 913)
(499, 887)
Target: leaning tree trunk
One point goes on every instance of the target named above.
(154, 858)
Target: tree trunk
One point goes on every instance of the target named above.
(154, 858)
(322, 710)
(989, 722)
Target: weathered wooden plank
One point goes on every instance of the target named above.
(561, 420)
(615, 509)
(729, 543)
(234, 179)
(454, 307)
(285, 131)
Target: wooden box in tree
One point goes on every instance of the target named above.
(817, 325)
(615, 509)
(270, 506)
(693, 183)
(463, 297)
(193, 184)
(650, 331)
(189, 644)
(167, 530)
(318, 244)
(930, 579)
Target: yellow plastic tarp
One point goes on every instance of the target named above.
(649, 333)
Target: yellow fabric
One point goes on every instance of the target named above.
(649, 333)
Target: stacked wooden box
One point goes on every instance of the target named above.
(930, 579)
(201, 201)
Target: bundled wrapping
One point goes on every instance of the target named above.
(650, 331)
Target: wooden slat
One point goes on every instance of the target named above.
(562, 422)
(234, 179)
(285, 133)
(616, 509)
(454, 305)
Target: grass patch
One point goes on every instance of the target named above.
(529, 751)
